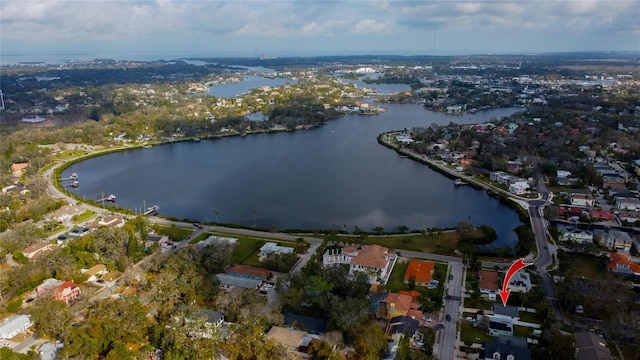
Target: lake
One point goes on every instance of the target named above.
(335, 176)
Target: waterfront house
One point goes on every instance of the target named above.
(519, 187)
(505, 348)
(112, 221)
(66, 213)
(374, 260)
(590, 346)
(14, 325)
(273, 248)
(421, 272)
(613, 239)
(488, 283)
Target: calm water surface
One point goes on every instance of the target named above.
(333, 176)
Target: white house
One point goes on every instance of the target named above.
(270, 248)
(374, 260)
(574, 234)
(519, 188)
(582, 200)
(520, 282)
(14, 326)
(624, 203)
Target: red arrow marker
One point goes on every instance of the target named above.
(515, 267)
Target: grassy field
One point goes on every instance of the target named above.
(444, 243)
(245, 249)
(199, 238)
(478, 304)
(88, 214)
(521, 331)
(572, 265)
(530, 317)
(476, 335)
(175, 233)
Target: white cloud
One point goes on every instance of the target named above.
(371, 26)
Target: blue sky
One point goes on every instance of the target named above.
(316, 27)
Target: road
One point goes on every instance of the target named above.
(447, 336)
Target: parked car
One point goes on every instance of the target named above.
(439, 326)
(448, 317)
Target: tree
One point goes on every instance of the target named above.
(321, 350)
(52, 318)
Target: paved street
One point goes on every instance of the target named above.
(447, 336)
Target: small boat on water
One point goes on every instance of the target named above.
(459, 182)
(147, 146)
(196, 139)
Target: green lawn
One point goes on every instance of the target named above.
(57, 229)
(444, 243)
(475, 335)
(521, 331)
(245, 249)
(478, 304)
(199, 238)
(530, 317)
(88, 214)
(175, 233)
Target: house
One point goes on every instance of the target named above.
(506, 312)
(514, 167)
(520, 282)
(400, 305)
(374, 260)
(62, 290)
(111, 221)
(68, 291)
(622, 265)
(629, 216)
(421, 272)
(613, 239)
(506, 348)
(500, 326)
(519, 187)
(249, 272)
(601, 215)
(273, 248)
(231, 281)
(585, 200)
(624, 203)
(562, 174)
(590, 346)
(488, 283)
(295, 340)
(400, 326)
(17, 169)
(14, 325)
(570, 233)
(155, 239)
(38, 249)
(65, 213)
(95, 271)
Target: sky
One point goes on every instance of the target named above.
(181, 28)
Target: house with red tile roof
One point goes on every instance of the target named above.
(421, 272)
(622, 265)
(401, 305)
(488, 283)
(18, 168)
(62, 290)
(374, 260)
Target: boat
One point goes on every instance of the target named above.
(147, 146)
(459, 182)
(75, 184)
(196, 139)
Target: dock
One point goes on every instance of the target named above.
(110, 198)
(153, 210)
(459, 182)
